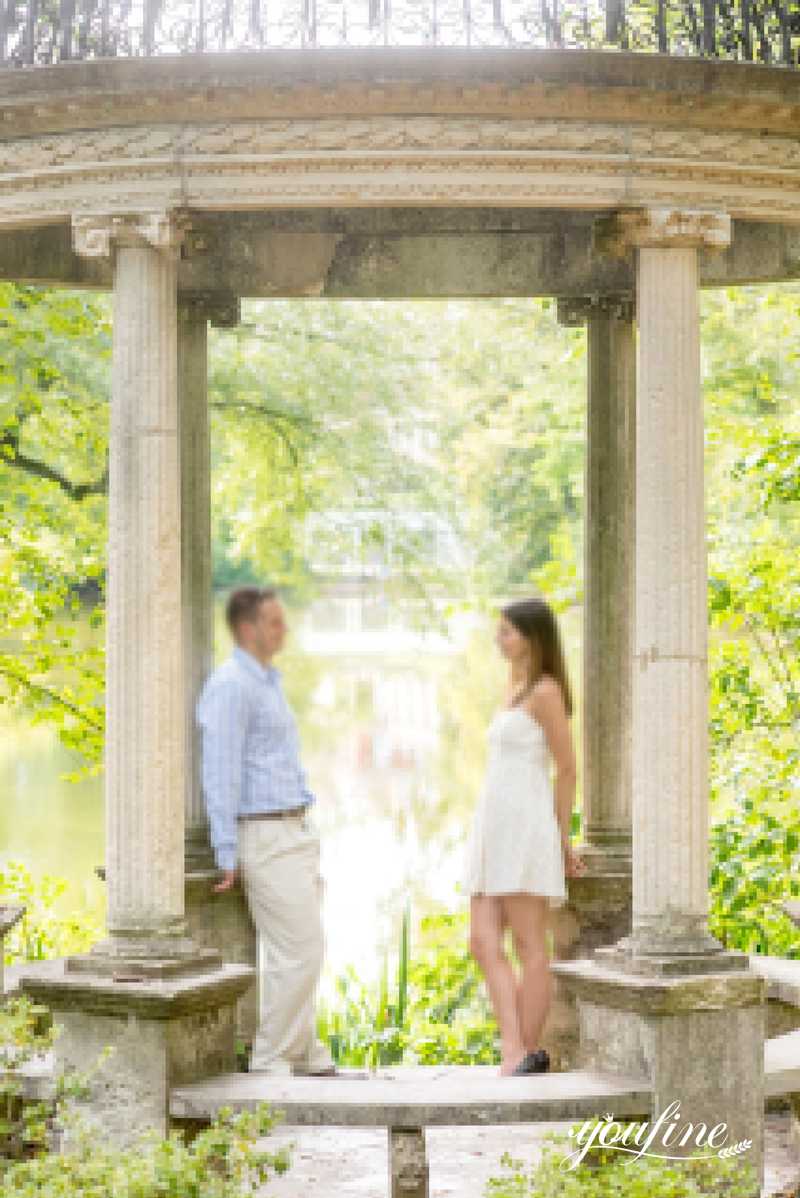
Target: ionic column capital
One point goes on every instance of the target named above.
(574, 310)
(222, 308)
(635, 228)
(94, 234)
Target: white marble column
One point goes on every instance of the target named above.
(608, 577)
(145, 709)
(669, 718)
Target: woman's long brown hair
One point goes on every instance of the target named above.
(536, 621)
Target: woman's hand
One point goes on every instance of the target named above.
(574, 865)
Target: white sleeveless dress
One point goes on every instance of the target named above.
(514, 842)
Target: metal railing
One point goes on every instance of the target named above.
(37, 32)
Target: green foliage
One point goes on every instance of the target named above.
(54, 349)
(754, 869)
(755, 690)
(314, 408)
(436, 1012)
(26, 1032)
(222, 1161)
(513, 406)
(605, 1174)
(41, 934)
(48, 1149)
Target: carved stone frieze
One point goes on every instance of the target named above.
(397, 160)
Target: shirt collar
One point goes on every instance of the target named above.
(255, 667)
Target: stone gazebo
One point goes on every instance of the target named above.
(617, 181)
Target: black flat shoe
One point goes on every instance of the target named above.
(533, 1062)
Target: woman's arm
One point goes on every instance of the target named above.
(546, 704)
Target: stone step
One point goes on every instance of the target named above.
(782, 975)
(782, 1064)
(419, 1096)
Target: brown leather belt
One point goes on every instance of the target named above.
(293, 811)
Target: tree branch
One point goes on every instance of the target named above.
(21, 461)
(48, 694)
(99, 486)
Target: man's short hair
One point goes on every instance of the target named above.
(244, 602)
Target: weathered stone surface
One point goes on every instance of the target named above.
(408, 1165)
(655, 995)
(597, 912)
(711, 1061)
(223, 922)
(62, 989)
(526, 128)
(782, 1063)
(419, 1096)
(163, 1033)
(684, 92)
(145, 757)
(196, 591)
(669, 701)
(627, 228)
(698, 1039)
(396, 253)
(609, 582)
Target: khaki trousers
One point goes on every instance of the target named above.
(279, 861)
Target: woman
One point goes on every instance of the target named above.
(519, 852)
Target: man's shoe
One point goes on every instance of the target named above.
(533, 1062)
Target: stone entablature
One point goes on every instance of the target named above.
(228, 132)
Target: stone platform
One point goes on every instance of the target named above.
(418, 1096)
(406, 1100)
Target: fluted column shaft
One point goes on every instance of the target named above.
(670, 674)
(195, 310)
(145, 757)
(608, 576)
(198, 628)
(145, 721)
(669, 724)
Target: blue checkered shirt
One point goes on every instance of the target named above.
(250, 749)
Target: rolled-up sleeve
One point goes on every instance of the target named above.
(222, 714)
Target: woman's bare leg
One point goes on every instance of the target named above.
(526, 915)
(486, 946)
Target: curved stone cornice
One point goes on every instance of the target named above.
(557, 129)
(662, 89)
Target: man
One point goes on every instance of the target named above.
(258, 806)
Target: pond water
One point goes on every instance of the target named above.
(392, 725)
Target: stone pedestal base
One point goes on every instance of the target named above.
(698, 1038)
(598, 912)
(624, 956)
(164, 1032)
(222, 923)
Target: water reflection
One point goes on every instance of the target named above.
(369, 696)
(392, 726)
(51, 825)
